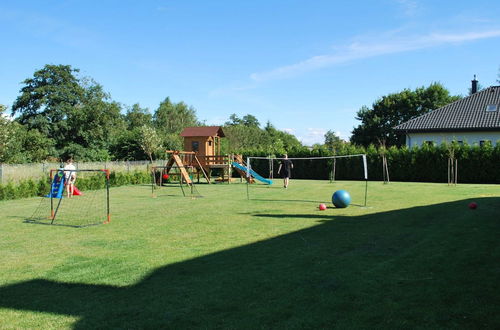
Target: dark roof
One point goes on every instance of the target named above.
(467, 114)
(203, 131)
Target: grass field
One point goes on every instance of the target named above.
(415, 257)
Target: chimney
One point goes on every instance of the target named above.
(474, 86)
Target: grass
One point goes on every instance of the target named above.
(415, 257)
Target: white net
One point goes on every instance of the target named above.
(331, 169)
(88, 205)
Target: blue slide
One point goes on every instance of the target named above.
(253, 173)
(57, 187)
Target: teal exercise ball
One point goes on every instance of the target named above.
(341, 199)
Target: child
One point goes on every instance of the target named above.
(70, 177)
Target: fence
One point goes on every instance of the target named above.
(18, 172)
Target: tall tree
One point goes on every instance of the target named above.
(174, 117)
(247, 120)
(6, 135)
(94, 124)
(47, 99)
(378, 121)
(332, 141)
(138, 117)
(75, 113)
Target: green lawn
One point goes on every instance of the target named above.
(415, 257)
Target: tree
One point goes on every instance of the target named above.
(6, 135)
(170, 119)
(150, 141)
(289, 141)
(233, 120)
(247, 120)
(138, 117)
(20, 145)
(378, 121)
(174, 117)
(332, 141)
(47, 99)
(75, 113)
(93, 125)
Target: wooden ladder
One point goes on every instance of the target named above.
(184, 173)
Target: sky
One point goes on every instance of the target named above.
(305, 66)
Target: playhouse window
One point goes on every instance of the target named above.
(209, 143)
(195, 145)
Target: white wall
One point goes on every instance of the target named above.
(417, 139)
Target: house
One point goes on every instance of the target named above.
(474, 119)
(204, 140)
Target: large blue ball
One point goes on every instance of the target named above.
(341, 199)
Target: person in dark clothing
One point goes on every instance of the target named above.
(287, 165)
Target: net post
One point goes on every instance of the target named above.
(248, 178)
(366, 190)
(108, 214)
(60, 199)
(51, 197)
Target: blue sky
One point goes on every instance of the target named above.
(306, 66)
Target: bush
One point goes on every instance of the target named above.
(426, 164)
(30, 188)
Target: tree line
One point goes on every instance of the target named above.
(59, 114)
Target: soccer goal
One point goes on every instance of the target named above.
(88, 205)
(319, 170)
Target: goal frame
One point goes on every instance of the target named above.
(363, 156)
(53, 212)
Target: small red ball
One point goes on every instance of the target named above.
(473, 205)
(165, 176)
(322, 207)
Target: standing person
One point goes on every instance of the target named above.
(287, 166)
(70, 177)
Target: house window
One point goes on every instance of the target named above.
(209, 143)
(461, 143)
(195, 145)
(428, 143)
(483, 142)
(491, 108)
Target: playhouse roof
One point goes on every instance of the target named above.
(203, 131)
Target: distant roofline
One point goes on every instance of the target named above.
(400, 129)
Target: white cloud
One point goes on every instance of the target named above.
(360, 50)
(410, 7)
(312, 136)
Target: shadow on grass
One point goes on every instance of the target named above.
(428, 267)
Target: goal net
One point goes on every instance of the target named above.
(88, 204)
(347, 172)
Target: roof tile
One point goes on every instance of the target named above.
(465, 114)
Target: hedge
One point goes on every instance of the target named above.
(30, 188)
(476, 164)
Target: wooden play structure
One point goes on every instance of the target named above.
(200, 158)
(205, 141)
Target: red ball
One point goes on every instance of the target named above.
(473, 205)
(165, 176)
(322, 207)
